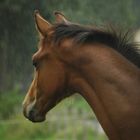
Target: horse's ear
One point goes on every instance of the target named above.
(41, 24)
(60, 18)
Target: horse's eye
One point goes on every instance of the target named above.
(35, 64)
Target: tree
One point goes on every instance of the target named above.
(18, 37)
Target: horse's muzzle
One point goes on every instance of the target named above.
(32, 114)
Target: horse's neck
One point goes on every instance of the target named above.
(83, 87)
(110, 84)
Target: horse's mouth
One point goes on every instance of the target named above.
(32, 113)
(33, 116)
(40, 117)
(37, 119)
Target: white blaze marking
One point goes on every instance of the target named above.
(29, 107)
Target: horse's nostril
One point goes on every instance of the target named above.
(31, 115)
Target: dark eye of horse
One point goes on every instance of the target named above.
(35, 64)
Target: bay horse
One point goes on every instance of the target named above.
(100, 65)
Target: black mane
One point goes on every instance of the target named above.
(118, 41)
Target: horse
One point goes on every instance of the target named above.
(103, 66)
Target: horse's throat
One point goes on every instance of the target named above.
(112, 101)
(94, 101)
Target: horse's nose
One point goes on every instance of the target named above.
(33, 115)
(30, 113)
(29, 109)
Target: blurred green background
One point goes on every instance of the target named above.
(72, 119)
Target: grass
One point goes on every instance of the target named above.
(67, 121)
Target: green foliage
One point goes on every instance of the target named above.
(28, 131)
(18, 41)
(64, 122)
(10, 102)
(18, 37)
